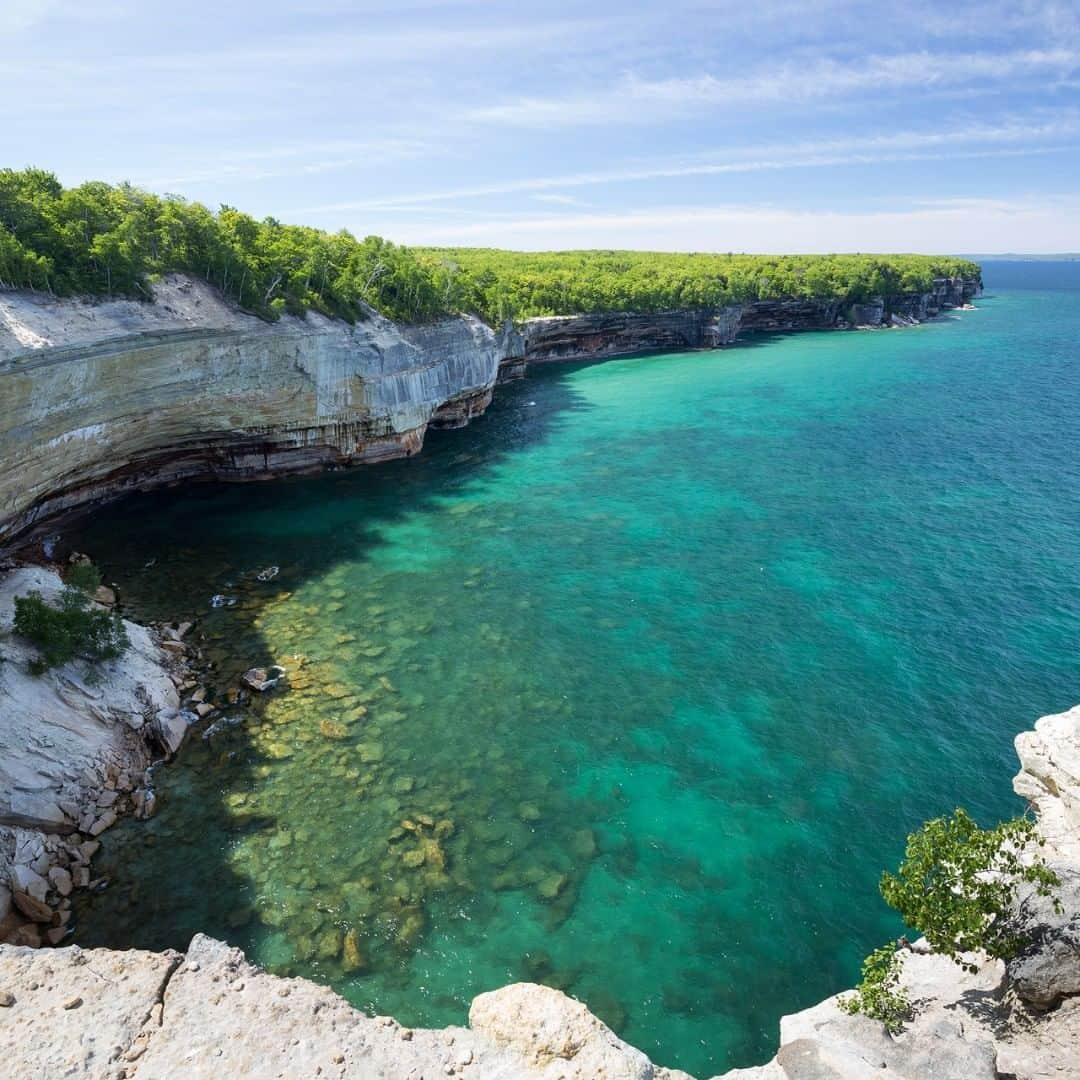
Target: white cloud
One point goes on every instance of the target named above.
(287, 160)
(17, 16)
(1034, 225)
(634, 99)
(878, 149)
(273, 54)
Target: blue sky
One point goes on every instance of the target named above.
(762, 126)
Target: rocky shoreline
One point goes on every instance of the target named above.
(76, 755)
(77, 750)
(102, 398)
(597, 337)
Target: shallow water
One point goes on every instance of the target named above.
(633, 687)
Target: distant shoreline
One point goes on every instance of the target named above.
(1064, 257)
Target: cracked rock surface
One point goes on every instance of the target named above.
(44, 1034)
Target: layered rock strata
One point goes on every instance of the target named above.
(210, 1013)
(596, 337)
(97, 399)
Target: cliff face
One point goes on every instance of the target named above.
(97, 399)
(594, 337)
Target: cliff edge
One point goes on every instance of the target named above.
(101, 398)
(98, 398)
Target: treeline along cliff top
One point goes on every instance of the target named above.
(100, 239)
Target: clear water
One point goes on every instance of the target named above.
(658, 663)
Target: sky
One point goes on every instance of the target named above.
(769, 126)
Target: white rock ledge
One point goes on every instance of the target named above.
(213, 1014)
(74, 750)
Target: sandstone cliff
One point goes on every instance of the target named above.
(594, 337)
(100, 398)
(97, 399)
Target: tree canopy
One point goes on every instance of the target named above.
(100, 239)
(500, 284)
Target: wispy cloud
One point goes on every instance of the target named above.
(305, 158)
(435, 114)
(1026, 224)
(637, 100)
(19, 16)
(317, 51)
(891, 147)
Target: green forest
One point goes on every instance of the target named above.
(110, 240)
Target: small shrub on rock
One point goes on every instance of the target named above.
(72, 629)
(880, 995)
(958, 883)
(85, 577)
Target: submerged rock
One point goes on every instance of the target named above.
(263, 679)
(353, 959)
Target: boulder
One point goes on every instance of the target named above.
(31, 810)
(29, 881)
(555, 1035)
(171, 728)
(105, 596)
(106, 821)
(61, 880)
(1048, 968)
(35, 910)
(261, 679)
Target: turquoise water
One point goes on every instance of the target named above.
(632, 687)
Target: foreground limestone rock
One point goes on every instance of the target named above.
(555, 1036)
(212, 1014)
(1048, 969)
(1049, 779)
(946, 1040)
(76, 1013)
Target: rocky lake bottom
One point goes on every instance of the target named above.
(633, 687)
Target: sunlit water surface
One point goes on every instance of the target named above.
(633, 687)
